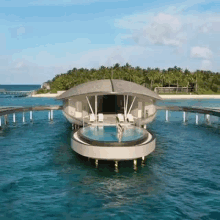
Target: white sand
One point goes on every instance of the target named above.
(54, 95)
(45, 95)
(48, 95)
(190, 96)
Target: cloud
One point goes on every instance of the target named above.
(162, 29)
(201, 52)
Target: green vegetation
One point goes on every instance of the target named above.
(42, 91)
(201, 82)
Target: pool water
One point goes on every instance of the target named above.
(110, 133)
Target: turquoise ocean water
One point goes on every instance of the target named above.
(42, 178)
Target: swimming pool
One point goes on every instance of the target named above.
(108, 135)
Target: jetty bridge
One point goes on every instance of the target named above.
(16, 93)
(6, 110)
(207, 112)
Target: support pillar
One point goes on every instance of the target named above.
(96, 163)
(135, 164)
(14, 117)
(143, 161)
(51, 114)
(6, 119)
(197, 118)
(145, 126)
(167, 115)
(23, 118)
(184, 117)
(31, 115)
(116, 166)
(207, 118)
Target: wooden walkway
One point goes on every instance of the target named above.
(10, 110)
(200, 110)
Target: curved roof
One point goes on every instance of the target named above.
(109, 86)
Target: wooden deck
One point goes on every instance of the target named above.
(200, 110)
(9, 110)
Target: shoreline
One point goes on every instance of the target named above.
(47, 95)
(54, 95)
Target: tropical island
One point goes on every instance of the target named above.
(167, 81)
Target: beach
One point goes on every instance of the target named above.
(54, 95)
(47, 95)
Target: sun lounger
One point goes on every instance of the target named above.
(120, 118)
(130, 117)
(101, 117)
(92, 118)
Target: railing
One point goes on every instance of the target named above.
(16, 93)
(173, 89)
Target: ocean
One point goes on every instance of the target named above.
(41, 177)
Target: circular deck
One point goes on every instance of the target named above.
(102, 150)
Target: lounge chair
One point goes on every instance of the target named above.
(120, 118)
(130, 117)
(92, 118)
(101, 117)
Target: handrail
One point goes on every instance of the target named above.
(201, 110)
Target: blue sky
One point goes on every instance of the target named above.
(42, 38)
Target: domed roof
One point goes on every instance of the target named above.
(109, 87)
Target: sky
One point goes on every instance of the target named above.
(42, 38)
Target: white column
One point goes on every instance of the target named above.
(51, 114)
(96, 107)
(131, 105)
(23, 118)
(13, 117)
(167, 115)
(6, 119)
(126, 109)
(184, 117)
(207, 118)
(145, 126)
(116, 166)
(135, 164)
(89, 105)
(197, 118)
(124, 106)
(31, 115)
(96, 163)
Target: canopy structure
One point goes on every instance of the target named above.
(109, 86)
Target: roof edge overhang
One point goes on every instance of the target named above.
(111, 93)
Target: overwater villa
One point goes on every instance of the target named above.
(111, 116)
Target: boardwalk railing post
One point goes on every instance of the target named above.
(207, 118)
(31, 116)
(23, 118)
(197, 118)
(167, 115)
(6, 119)
(184, 117)
(14, 117)
(51, 114)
